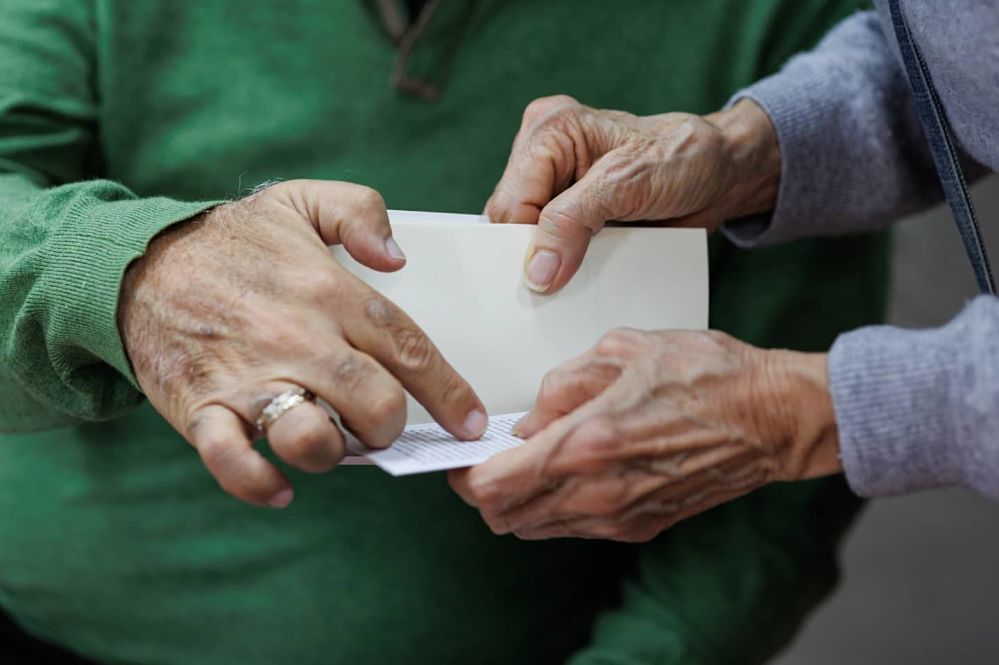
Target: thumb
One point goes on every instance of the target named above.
(350, 215)
(565, 227)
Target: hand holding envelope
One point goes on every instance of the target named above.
(462, 285)
(623, 439)
(647, 428)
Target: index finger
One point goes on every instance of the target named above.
(568, 446)
(382, 330)
(517, 475)
(541, 164)
(567, 387)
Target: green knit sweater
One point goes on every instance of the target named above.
(119, 118)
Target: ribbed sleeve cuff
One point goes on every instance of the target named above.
(796, 107)
(895, 409)
(88, 257)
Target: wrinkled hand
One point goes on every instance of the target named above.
(573, 168)
(233, 307)
(650, 428)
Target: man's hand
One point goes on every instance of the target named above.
(650, 428)
(573, 168)
(230, 309)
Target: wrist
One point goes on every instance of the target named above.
(143, 280)
(753, 156)
(798, 391)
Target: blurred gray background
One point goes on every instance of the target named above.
(921, 573)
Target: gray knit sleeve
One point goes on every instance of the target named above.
(920, 408)
(853, 156)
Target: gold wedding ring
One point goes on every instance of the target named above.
(281, 405)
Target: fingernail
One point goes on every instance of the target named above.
(393, 250)
(515, 430)
(541, 270)
(282, 498)
(475, 424)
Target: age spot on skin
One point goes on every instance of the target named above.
(380, 312)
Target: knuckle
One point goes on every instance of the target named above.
(716, 338)
(692, 135)
(543, 106)
(456, 479)
(348, 370)
(415, 351)
(619, 341)
(497, 205)
(389, 408)
(370, 200)
(550, 385)
(496, 524)
(322, 286)
(595, 443)
(271, 188)
(294, 184)
(645, 533)
(544, 146)
(689, 127)
(690, 124)
(712, 142)
(560, 223)
(194, 429)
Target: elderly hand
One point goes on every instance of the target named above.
(573, 168)
(650, 428)
(230, 309)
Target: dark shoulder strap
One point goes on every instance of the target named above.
(937, 131)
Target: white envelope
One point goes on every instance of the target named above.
(463, 284)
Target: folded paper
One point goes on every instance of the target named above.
(463, 285)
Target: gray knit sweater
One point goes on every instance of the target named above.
(915, 409)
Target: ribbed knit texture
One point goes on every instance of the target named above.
(920, 409)
(87, 258)
(852, 153)
(67, 289)
(914, 409)
(877, 374)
